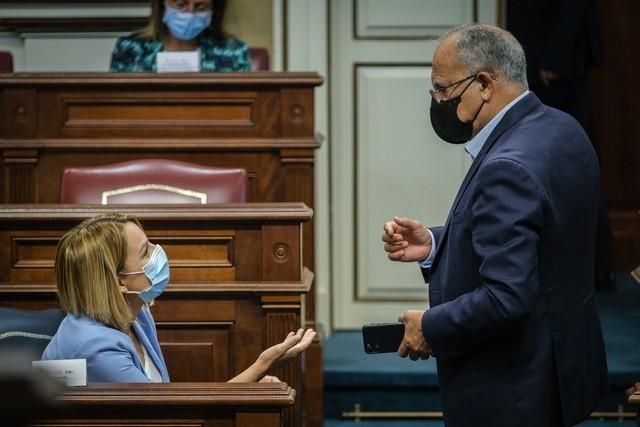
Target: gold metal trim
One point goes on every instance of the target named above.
(162, 187)
(635, 273)
(357, 414)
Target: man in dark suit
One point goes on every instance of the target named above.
(513, 323)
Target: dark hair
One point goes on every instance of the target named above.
(157, 30)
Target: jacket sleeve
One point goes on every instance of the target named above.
(109, 360)
(506, 221)
(437, 237)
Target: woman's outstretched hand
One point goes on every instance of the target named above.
(290, 348)
(277, 355)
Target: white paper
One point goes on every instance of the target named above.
(178, 62)
(72, 372)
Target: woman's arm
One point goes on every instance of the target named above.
(287, 350)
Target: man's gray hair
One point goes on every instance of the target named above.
(487, 48)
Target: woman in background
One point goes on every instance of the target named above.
(108, 273)
(180, 26)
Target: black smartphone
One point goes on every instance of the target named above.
(382, 337)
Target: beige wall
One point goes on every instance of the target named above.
(251, 21)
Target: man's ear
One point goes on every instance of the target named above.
(486, 81)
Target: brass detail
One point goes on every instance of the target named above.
(280, 253)
(636, 274)
(21, 113)
(296, 113)
(358, 414)
(126, 190)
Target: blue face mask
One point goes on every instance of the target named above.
(186, 25)
(157, 271)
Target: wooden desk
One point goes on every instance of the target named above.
(237, 281)
(176, 404)
(263, 122)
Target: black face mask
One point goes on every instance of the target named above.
(445, 121)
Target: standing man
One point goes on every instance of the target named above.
(513, 323)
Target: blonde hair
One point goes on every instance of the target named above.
(88, 260)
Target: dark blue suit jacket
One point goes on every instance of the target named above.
(513, 323)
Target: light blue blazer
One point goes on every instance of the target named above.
(111, 355)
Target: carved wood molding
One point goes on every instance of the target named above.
(187, 289)
(262, 78)
(176, 394)
(236, 212)
(217, 144)
(73, 25)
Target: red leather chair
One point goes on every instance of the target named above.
(155, 181)
(259, 57)
(6, 62)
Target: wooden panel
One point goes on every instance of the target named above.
(159, 114)
(192, 351)
(163, 114)
(614, 127)
(280, 253)
(20, 183)
(626, 239)
(263, 122)
(203, 255)
(177, 404)
(210, 327)
(20, 113)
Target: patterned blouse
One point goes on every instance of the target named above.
(133, 53)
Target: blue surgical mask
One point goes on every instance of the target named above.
(157, 271)
(186, 25)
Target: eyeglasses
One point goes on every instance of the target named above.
(440, 93)
(190, 6)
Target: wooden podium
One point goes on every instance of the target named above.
(237, 279)
(263, 122)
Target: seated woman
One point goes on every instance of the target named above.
(108, 273)
(182, 25)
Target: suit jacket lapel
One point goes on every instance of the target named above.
(521, 109)
(151, 351)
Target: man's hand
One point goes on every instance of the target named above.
(406, 240)
(413, 344)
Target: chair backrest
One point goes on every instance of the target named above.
(153, 181)
(259, 57)
(6, 62)
(27, 331)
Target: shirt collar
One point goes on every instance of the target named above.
(474, 146)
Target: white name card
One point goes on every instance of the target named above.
(178, 62)
(71, 372)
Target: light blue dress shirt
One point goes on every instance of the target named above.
(473, 147)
